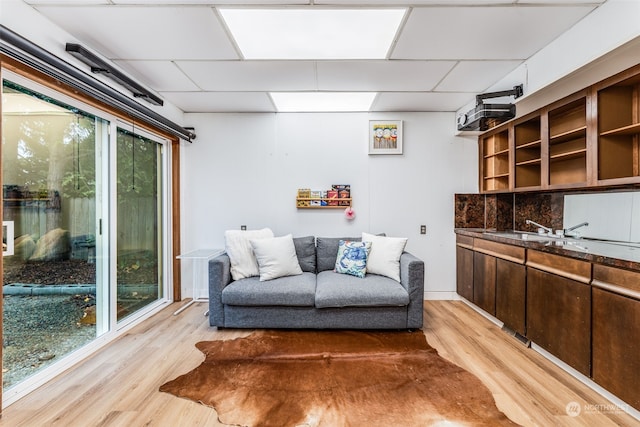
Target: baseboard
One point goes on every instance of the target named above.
(481, 312)
(616, 404)
(439, 296)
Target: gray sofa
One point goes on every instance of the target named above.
(319, 298)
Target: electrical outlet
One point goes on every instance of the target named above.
(243, 227)
(423, 229)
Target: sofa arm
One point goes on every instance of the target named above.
(219, 277)
(412, 279)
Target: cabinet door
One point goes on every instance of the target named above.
(464, 277)
(559, 317)
(484, 282)
(511, 294)
(616, 345)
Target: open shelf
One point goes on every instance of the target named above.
(568, 143)
(568, 119)
(618, 157)
(558, 138)
(532, 162)
(619, 130)
(496, 183)
(346, 202)
(528, 174)
(495, 162)
(623, 131)
(497, 153)
(533, 144)
(528, 146)
(582, 152)
(568, 170)
(497, 165)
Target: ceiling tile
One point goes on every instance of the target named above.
(475, 76)
(251, 75)
(449, 50)
(414, 2)
(381, 75)
(514, 32)
(421, 101)
(220, 102)
(146, 33)
(67, 2)
(212, 2)
(160, 75)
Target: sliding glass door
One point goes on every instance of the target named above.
(85, 196)
(139, 225)
(54, 275)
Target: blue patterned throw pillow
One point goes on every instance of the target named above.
(352, 258)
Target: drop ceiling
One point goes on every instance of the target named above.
(445, 52)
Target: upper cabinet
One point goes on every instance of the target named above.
(528, 153)
(568, 144)
(494, 155)
(619, 131)
(589, 139)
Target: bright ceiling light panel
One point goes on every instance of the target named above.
(288, 102)
(313, 33)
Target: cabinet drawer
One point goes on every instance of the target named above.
(464, 241)
(573, 269)
(617, 280)
(500, 250)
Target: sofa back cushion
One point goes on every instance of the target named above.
(306, 252)
(238, 247)
(327, 251)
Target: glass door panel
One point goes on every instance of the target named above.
(54, 300)
(139, 226)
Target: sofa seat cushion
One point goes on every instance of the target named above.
(342, 290)
(298, 291)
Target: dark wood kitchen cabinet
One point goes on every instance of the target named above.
(616, 332)
(559, 307)
(511, 293)
(484, 282)
(585, 314)
(499, 280)
(588, 139)
(464, 267)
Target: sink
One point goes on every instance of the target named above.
(532, 237)
(613, 249)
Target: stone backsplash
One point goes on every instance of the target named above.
(508, 211)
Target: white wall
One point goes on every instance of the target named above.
(31, 25)
(244, 169)
(605, 42)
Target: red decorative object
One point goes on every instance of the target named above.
(349, 213)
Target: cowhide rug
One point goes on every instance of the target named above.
(335, 378)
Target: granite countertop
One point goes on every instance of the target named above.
(615, 254)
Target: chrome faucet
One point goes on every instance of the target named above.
(567, 231)
(547, 229)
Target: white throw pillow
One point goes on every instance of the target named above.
(276, 257)
(238, 247)
(384, 258)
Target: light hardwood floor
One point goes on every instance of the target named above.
(119, 386)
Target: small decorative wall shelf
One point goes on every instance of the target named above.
(339, 197)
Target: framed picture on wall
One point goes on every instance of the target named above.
(385, 136)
